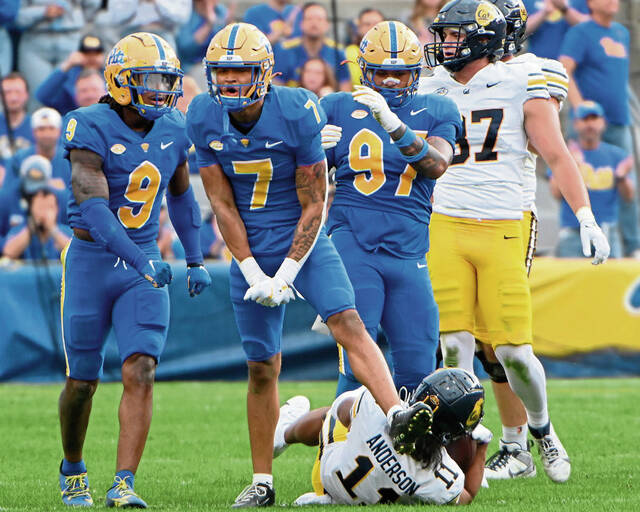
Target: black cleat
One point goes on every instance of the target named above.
(255, 495)
(410, 424)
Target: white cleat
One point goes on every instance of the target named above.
(290, 411)
(554, 457)
(311, 498)
(511, 461)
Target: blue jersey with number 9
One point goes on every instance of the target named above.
(137, 166)
(261, 163)
(379, 196)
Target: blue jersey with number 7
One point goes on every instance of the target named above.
(261, 163)
(137, 166)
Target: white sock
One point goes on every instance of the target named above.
(515, 435)
(458, 349)
(526, 377)
(263, 478)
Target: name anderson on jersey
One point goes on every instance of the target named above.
(390, 465)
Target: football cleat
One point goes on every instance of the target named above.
(511, 461)
(555, 459)
(75, 490)
(291, 410)
(122, 495)
(408, 425)
(255, 495)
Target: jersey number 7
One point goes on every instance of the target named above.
(487, 154)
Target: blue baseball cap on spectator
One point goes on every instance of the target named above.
(35, 173)
(588, 108)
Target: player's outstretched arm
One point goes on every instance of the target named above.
(184, 213)
(91, 192)
(543, 129)
(473, 476)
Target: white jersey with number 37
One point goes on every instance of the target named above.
(485, 178)
(365, 468)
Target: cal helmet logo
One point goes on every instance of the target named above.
(118, 149)
(216, 145)
(486, 13)
(359, 114)
(476, 414)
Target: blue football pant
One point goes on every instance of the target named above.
(397, 294)
(98, 292)
(322, 281)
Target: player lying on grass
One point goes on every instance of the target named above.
(357, 463)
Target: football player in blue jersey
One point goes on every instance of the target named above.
(389, 145)
(260, 156)
(125, 152)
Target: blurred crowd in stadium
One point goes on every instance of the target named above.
(52, 54)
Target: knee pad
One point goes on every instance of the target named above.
(494, 370)
(514, 355)
(458, 349)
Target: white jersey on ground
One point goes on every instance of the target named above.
(558, 87)
(485, 179)
(365, 468)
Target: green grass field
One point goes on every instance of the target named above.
(197, 456)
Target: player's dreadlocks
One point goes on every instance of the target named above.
(428, 450)
(112, 103)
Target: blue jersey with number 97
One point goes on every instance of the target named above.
(261, 164)
(137, 166)
(379, 196)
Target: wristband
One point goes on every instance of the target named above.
(408, 137)
(419, 156)
(289, 270)
(251, 270)
(584, 214)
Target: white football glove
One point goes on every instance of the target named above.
(270, 292)
(378, 106)
(330, 135)
(481, 434)
(590, 233)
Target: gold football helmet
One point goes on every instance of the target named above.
(239, 45)
(143, 71)
(390, 46)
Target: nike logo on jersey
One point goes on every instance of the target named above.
(165, 146)
(491, 85)
(272, 144)
(509, 237)
(424, 265)
(416, 112)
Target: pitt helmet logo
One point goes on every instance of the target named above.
(116, 57)
(476, 414)
(485, 14)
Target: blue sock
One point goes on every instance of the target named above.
(126, 475)
(72, 468)
(540, 432)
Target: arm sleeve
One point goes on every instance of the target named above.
(557, 79)
(309, 146)
(109, 233)
(184, 213)
(536, 83)
(81, 133)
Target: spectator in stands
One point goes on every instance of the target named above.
(318, 77)
(605, 169)
(58, 90)
(422, 16)
(293, 53)
(277, 19)
(89, 88)
(207, 17)
(35, 173)
(596, 56)
(16, 96)
(162, 17)
(367, 19)
(51, 31)
(549, 21)
(39, 236)
(8, 12)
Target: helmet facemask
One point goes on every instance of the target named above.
(473, 42)
(395, 96)
(249, 92)
(154, 90)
